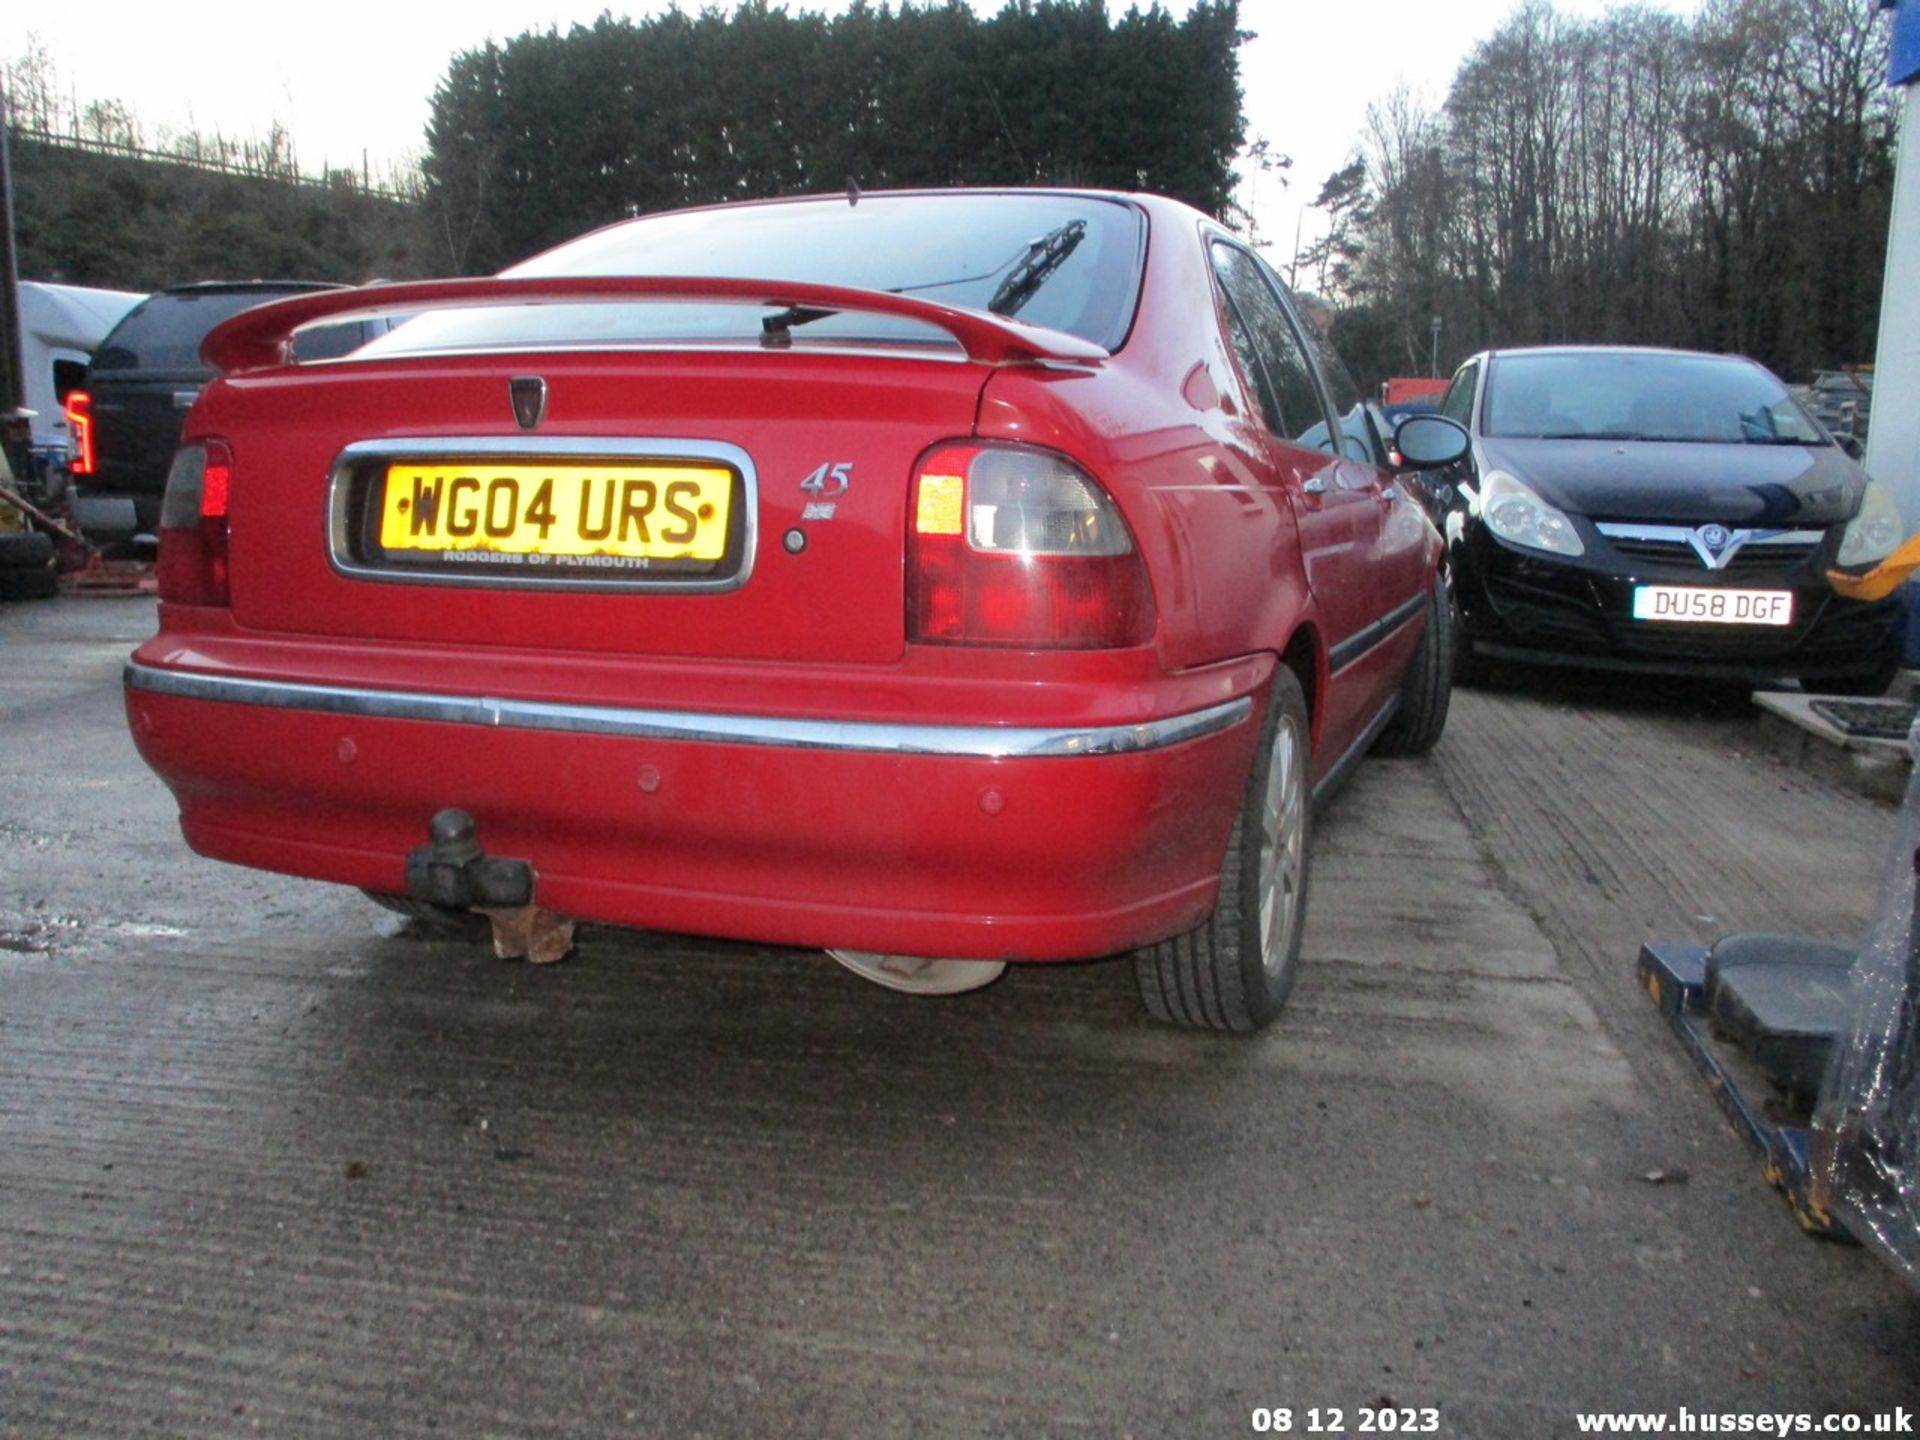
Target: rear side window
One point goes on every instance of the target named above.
(1068, 262)
(1358, 438)
(164, 332)
(1271, 351)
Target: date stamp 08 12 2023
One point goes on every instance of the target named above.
(1332, 1420)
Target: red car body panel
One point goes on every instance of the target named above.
(1036, 859)
(842, 600)
(1110, 839)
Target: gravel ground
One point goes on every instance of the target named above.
(273, 1162)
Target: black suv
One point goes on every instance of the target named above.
(125, 419)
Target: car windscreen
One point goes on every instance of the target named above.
(1067, 262)
(1703, 399)
(164, 331)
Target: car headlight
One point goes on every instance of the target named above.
(1873, 533)
(1520, 517)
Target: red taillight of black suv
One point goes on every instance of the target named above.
(79, 408)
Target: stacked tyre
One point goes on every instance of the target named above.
(26, 566)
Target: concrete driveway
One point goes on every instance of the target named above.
(272, 1162)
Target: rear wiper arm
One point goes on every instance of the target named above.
(1032, 270)
(1036, 267)
(776, 330)
(974, 279)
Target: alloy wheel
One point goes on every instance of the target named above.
(1283, 816)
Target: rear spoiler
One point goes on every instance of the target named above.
(262, 338)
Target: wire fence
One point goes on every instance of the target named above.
(270, 167)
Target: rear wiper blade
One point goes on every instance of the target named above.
(1036, 267)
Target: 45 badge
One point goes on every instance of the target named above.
(826, 484)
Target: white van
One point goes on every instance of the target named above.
(59, 327)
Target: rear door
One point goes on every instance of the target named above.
(1335, 501)
(1400, 560)
(136, 418)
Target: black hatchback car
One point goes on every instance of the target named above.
(1661, 511)
(125, 418)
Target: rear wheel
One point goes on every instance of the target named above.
(1234, 971)
(1427, 691)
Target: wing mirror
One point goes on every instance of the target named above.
(1430, 442)
(1851, 444)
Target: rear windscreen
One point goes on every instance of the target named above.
(164, 331)
(1067, 262)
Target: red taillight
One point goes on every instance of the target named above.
(80, 427)
(1010, 545)
(193, 525)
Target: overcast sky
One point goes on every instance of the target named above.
(352, 77)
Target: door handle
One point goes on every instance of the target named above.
(1314, 485)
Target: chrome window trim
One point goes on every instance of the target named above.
(990, 742)
(663, 447)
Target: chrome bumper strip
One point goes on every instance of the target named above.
(972, 741)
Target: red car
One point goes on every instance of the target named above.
(982, 576)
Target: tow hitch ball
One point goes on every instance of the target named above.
(452, 870)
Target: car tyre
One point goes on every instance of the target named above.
(1233, 972)
(26, 566)
(25, 550)
(1426, 692)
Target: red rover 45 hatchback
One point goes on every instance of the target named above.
(945, 579)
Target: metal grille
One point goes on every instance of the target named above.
(1670, 547)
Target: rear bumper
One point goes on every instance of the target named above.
(1029, 843)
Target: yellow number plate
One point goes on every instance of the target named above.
(535, 511)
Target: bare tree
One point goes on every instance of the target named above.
(1721, 182)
